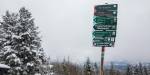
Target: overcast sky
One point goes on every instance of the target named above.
(66, 28)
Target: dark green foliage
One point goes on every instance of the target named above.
(20, 44)
(88, 68)
(96, 69)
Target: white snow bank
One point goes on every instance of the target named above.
(4, 66)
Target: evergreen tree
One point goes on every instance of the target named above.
(112, 69)
(88, 69)
(129, 70)
(20, 44)
(96, 69)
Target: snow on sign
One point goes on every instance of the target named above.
(105, 25)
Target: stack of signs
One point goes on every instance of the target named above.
(105, 24)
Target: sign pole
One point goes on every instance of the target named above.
(102, 61)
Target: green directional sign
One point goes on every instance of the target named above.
(104, 33)
(106, 10)
(104, 39)
(97, 40)
(102, 20)
(105, 25)
(99, 20)
(106, 44)
(107, 7)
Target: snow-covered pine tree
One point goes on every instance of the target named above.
(96, 69)
(20, 44)
(88, 68)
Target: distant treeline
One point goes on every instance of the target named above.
(90, 68)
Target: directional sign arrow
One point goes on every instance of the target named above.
(106, 7)
(99, 19)
(102, 20)
(100, 40)
(106, 13)
(104, 39)
(105, 44)
(104, 33)
(104, 27)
